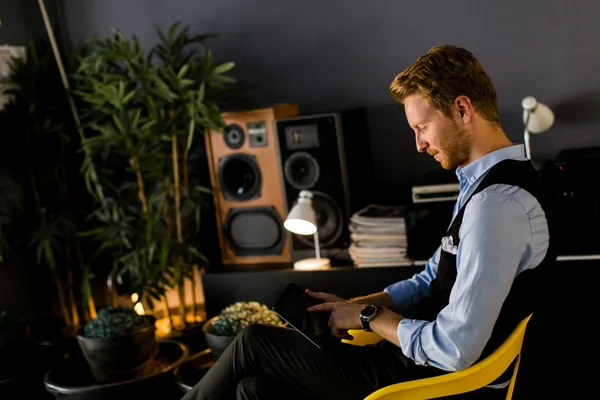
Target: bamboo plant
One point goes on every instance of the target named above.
(38, 154)
(142, 111)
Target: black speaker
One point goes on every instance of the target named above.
(569, 181)
(330, 155)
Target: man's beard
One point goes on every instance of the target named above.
(454, 148)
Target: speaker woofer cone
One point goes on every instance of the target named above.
(329, 221)
(239, 177)
(301, 170)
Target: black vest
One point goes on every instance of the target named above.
(528, 289)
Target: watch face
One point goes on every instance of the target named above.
(368, 311)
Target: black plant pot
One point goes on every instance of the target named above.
(122, 357)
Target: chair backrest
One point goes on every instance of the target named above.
(476, 376)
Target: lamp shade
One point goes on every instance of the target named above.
(541, 116)
(301, 219)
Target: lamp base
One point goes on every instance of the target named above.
(311, 264)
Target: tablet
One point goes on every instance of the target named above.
(291, 307)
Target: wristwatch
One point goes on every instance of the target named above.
(367, 314)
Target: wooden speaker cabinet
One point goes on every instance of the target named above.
(247, 186)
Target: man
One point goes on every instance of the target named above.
(486, 276)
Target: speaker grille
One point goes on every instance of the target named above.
(240, 177)
(254, 231)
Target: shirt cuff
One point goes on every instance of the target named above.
(403, 295)
(409, 336)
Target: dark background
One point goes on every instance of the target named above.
(332, 55)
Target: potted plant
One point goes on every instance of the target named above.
(222, 329)
(142, 112)
(118, 344)
(40, 162)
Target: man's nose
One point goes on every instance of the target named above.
(422, 145)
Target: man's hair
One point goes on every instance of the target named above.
(445, 73)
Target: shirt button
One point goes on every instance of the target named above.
(472, 179)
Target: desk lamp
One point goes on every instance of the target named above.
(302, 221)
(537, 118)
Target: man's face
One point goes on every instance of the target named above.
(437, 134)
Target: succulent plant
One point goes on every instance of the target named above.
(115, 321)
(237, 316)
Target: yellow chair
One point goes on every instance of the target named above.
(476, 376)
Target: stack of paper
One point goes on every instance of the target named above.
(378, 236)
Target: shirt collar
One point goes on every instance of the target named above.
(473, 171)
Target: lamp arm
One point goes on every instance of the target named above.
(526, 136)
(317, 246)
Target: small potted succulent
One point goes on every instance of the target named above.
(222, 329)
(118, 344)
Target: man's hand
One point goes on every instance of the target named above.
(325, 297)
(344, 316)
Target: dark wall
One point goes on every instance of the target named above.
(328, 55)
(22, 20)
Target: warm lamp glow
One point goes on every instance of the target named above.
(300, 226)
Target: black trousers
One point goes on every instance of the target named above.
(266, 362)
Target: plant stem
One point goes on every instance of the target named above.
(72, 297)
(193, 310)
(64, 195)
(72, 303)
(61, 297)
(86, 283)
(177, 189)
(55, 275)
(168, 312)
(141, 192)
(168, 220)
(186, 183)
(36, 195)
(181, 293)
(181, 283)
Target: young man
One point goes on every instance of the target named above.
(486, 276)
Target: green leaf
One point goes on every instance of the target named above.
(173, 30)
(183, 71)
(202, 189)
(223, 68)
(201, 92)
(190, 135)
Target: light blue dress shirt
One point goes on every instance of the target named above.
(504, 232)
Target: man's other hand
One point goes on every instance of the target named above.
(324, 297)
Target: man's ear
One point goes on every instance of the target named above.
(464, 108)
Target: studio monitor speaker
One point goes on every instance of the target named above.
(330, 155)
(247, 186)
